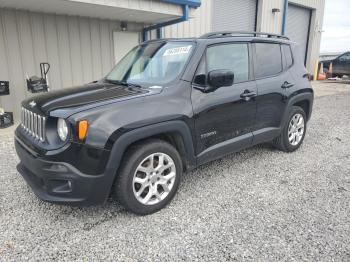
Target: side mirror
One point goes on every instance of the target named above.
(219, 78)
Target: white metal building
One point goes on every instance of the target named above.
(83, 39)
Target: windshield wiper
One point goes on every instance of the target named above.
(116, 82)
(123, 83)
(134, 85)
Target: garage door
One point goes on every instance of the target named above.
(297, 28)
(237, 15)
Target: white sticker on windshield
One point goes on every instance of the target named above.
(177, 50)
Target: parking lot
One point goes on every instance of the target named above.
(259, 204)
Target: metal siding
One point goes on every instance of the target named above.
(107, 55)
(4, 72)
(144, 11)
(85, 47)
(64, 51)
(12, 48)
(234, 15)
(79, 50)
(199, 23)
(74, 43)
(266, 20)
(298, 20)
(26, 43)
(96, 48)
(39, 43)
(52, 52)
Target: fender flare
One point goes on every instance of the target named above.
(121, 144)
(309, 96)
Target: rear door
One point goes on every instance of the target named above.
(274, 82)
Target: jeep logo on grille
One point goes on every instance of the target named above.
(32, 104)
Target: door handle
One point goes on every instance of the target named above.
(286, 84)
(247, 95)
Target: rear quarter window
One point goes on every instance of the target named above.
(268, 59)
(288, 55)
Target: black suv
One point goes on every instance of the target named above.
(340, 65)
(167, 107)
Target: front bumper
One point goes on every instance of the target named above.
(60, 182)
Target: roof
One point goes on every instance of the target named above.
(236, 35)
(221, 34)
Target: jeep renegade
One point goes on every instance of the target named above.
(167, 107)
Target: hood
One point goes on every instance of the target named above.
(82, 97)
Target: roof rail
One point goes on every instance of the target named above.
(241, 33)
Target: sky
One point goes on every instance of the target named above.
(336, 26)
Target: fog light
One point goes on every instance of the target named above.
(60, 186)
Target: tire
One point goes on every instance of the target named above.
(282, 142)
(136, 168)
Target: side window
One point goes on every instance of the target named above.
(345, 57)
(268, 59)
(233, 57)
(288, 55)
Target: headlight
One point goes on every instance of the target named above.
(62, 129)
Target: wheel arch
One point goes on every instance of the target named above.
(175, 132)
(305, 105)
(303, 100)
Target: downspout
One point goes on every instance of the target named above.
(284, 18)
(159, 33)
(146, 30)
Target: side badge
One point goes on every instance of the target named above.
(206, 135)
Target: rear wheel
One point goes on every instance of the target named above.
(293, 132)
(149, 177)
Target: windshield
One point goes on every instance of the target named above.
(159, 63)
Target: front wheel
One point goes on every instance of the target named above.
(149, 177)
(293, 132)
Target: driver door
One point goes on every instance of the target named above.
(224, 118)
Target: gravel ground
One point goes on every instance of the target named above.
(259, 204)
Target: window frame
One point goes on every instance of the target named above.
(255, 59)
(285, 67)
(345, 54)
(204, 56)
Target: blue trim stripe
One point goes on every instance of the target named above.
(190, 3)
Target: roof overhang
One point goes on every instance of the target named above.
(140, 11)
